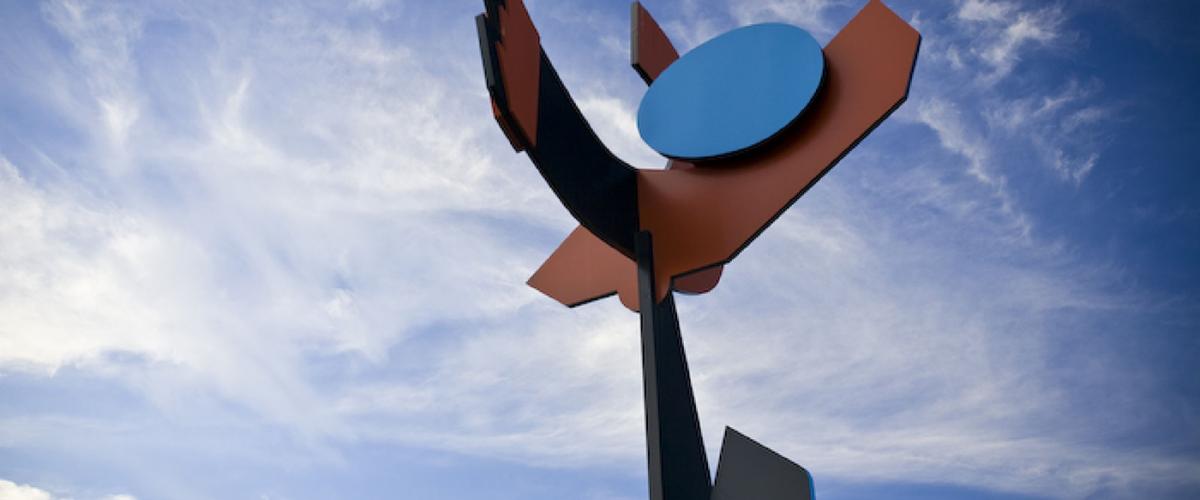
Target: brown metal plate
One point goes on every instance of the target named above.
(702, 217)
(519, 53)
(651, 50)
(583, 268)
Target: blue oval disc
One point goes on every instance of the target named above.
(732, 92)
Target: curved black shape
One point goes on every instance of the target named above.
(595, 186)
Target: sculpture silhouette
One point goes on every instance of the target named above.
(647, 232)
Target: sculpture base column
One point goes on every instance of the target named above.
(678, 466)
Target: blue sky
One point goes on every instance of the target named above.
(278, 251)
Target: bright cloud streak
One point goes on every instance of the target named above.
(13, 491)
(275, 236)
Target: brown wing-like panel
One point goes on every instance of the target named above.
(518, 51)
(650, 49)
(701, 217)
(583, 269)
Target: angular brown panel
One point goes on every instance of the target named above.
(699, 282)
(701, 217)
(583, 268)
(519, 53)
(509, 130)
(651, 50)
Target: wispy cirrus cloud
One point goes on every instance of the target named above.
(981, 112)
(957, 136)
(294, 231)
(1063, 127)
(1006, 29)
(812, 15)
(105, 268)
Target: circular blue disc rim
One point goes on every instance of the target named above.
(732, 93)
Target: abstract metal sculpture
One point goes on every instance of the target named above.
(750, 120)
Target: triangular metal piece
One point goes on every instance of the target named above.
(750, 471)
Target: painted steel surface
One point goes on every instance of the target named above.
(647, 232)
(583, 268)
(702, 217)
(595, 186)
(511, 67)
(677, 464)
(748, 470)
(732, 93)
(650, 51)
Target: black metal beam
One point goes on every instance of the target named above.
(678, 466)
(593, 184)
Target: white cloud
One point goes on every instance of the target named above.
(64, 293)
(101, 37)
(554, 388)
(687, 35)
(13, 491)
(1001, 32)
(991, 119)
(1061, 127)
(984, 10)
(1074, 170)
(253, 254)
(1090, 115)
(808, 14)
(943, 117)
(332, 199)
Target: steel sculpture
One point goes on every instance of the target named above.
(749, 122)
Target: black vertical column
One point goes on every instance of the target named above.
(677, 464)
